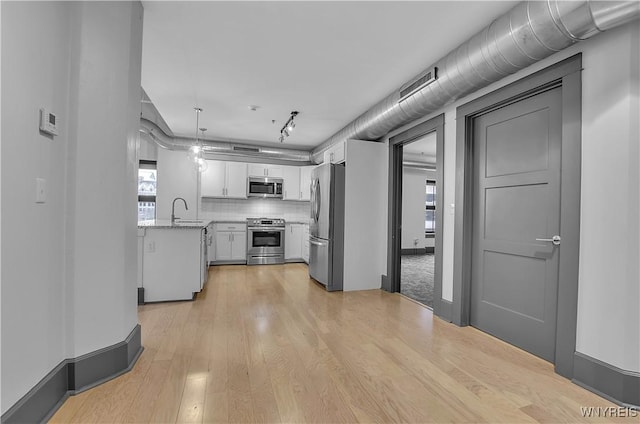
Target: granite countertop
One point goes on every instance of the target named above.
(200, 223)
(180, 224)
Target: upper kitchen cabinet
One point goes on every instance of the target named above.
(335, 154)
(297, 182)
(305, 182)
(264, 170)
(291, 189)
(224, 179)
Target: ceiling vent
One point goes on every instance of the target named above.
(422, 81)
(246, 149)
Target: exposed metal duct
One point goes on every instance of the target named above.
(529, 32)
(224, 150)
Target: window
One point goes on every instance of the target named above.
(430, 208)
(147, 177)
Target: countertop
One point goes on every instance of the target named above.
(186, 224)
(197, 224)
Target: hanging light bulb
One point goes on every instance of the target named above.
(199, 160)
(193, 152)
(201, 164)
(291, 125)
(195, 149)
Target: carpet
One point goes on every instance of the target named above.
(416, 277)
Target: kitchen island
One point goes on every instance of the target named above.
(172, 258)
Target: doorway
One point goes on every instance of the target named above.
(517, 213)
(415, 190)
(417, 237)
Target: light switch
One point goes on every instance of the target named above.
(41, 190)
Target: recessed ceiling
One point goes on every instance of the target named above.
(329, 60)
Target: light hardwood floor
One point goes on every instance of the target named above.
(266, 344)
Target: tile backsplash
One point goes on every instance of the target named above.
(241, 209)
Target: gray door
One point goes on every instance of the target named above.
(514, 279)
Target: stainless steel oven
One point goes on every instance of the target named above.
(265, 241)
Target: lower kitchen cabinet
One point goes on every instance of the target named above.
(230, 243)
(293, 242)
(211, 251)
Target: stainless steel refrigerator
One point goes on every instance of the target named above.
(326, 227)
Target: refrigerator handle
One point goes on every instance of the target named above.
(317, 200)
(316, 241)
(313, 207)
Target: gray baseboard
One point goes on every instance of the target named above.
(140, 295)
(445, 312)
(417, 251)
(73, 376)
(619, 386)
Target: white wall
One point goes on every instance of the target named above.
(365, 223)
(33, 235)
(413, 207)
(69, 278)
(608, 314)
(241, 209)
(177, 177)
(148, 150)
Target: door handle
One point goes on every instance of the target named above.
(317, 243)
(555, 240)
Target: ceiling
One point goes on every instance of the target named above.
(329, 60)
(421, 150)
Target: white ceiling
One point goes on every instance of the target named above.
(329, 60)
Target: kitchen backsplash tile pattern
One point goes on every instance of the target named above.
(240, 209)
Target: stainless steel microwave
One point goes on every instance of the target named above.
(264, 187)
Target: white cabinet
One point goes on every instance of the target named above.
(291, 189)
(305, 182)
(305, 242)
(224, 179)
(335, 154)
(264, 170)
(230, 243)
(297, 182)
(211, 251)
(293, 242)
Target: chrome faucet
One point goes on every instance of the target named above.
(173, 208)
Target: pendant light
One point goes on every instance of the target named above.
(201, 163)
(196, 153)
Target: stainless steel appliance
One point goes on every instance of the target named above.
(264, 187)
(265, 241)
(326, 228)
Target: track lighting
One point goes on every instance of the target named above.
(288, 127)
